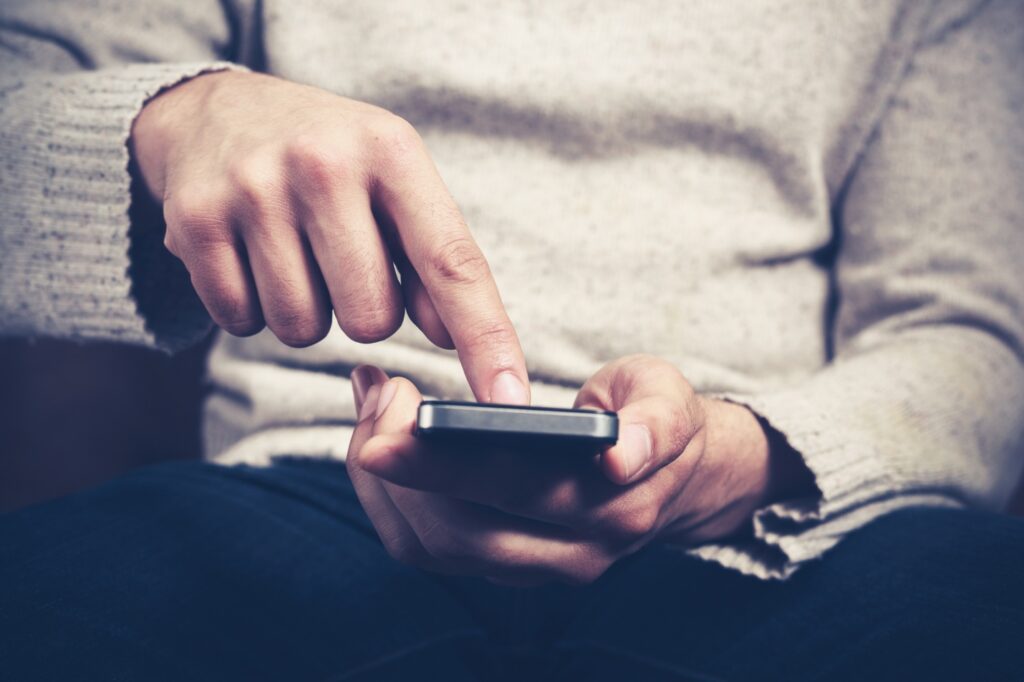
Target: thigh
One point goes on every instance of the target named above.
(918, 594)
(196, 571)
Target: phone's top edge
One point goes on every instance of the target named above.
(512, 420)
(539, 408)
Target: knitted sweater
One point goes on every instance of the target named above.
(813, 209)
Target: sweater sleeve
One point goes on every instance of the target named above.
(80, 259)
(923, 401)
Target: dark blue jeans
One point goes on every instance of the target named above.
(190, 571)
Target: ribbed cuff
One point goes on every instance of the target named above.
(68, 240)
(853, 483)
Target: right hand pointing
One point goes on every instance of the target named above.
(285, 201)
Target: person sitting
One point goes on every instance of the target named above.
(782, 241)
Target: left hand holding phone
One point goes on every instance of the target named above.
(685, 468)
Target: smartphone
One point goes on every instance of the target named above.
(516, 425)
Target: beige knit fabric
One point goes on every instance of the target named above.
(811, 208)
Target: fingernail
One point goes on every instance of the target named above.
(362, 380)
(370, 404)
(387, 392)
(509, 390)
(637, 448)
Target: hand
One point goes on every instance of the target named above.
(285, 201)
(686, 469)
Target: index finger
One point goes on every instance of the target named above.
(437, 243)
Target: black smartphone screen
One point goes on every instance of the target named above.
(503, 425)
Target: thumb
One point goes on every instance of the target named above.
(659, 414)
(652, 432)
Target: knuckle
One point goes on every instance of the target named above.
(459, 261)
(637, 368)
(255, 181)
(242, 326)
(299, 338)
(632, 360)
(490, 339)
(680, 426)
(235, 315)
(299, 329)
(196, 214)
(371, 323)
(625, 365)
(319, 163)
(225, 297)
(392, 137)
(639, 522)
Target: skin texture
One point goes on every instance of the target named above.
(286, 202)
(686, 469)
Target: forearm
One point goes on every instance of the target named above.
(931, 417)
(921, 403)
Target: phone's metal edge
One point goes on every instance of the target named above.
(425, 417)
(530, 408)
(604, 427)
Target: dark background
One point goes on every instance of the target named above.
(72, 416)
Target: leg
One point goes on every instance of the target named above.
(919, 594)
(195, 571)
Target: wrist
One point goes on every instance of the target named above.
(155, 128)
(735, 437)
(788, 475)
(775, 471)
